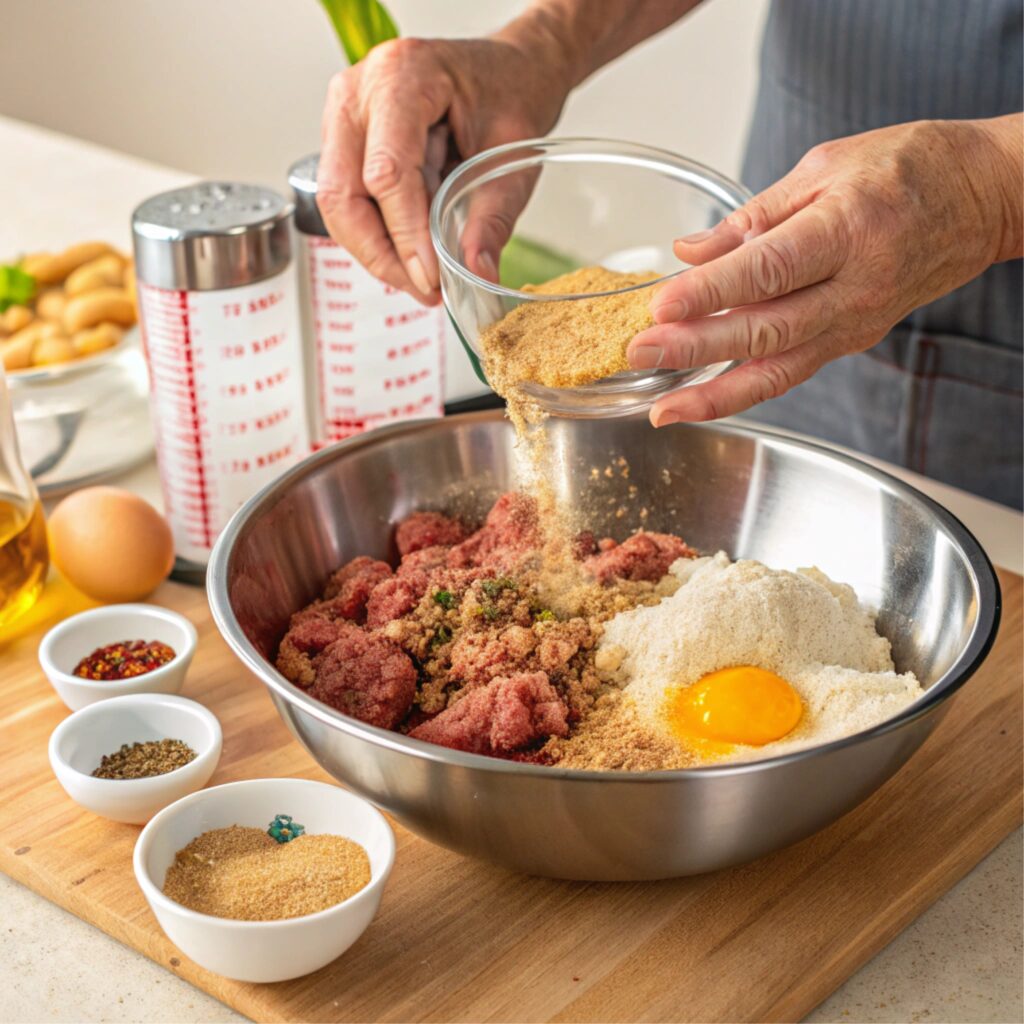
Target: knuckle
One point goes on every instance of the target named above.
(753, 217)
(496, 223)
(818, 158)
(766, 335)
(377, 260)
(328, 200)
(395, 52)
(339, 88)
(709, 292)
(382, 173)
(771, 380)
(771, 268)
(703, 407)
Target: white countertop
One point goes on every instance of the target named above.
(960, 961)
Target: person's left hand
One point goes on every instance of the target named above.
(823, 263)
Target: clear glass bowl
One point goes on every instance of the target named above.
(584, 202)
(82, 421)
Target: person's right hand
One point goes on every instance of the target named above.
(397, 121)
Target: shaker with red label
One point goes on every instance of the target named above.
(378, 355)
(220, 323)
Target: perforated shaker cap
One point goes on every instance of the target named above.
(214, 234)
(302, 178)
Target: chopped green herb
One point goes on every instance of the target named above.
(492, 588)
(490, 612)
(441, 637)
(546, 615)
(16, 287)
(445, 598)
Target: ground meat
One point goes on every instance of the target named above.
(644, 556)
(308, 636)
(466, 643)
(395, 597)
(427, 530)
(477, 658)
(366, 676)
(508, 714)
(349, 588)
(424, 560)
(510, 533)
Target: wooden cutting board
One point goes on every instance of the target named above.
(460, 940)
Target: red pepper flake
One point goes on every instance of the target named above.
(124, 660)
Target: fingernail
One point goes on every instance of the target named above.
(697, 236)
(666, 419)
(418, 274)
(668, 311)
(486, 263)
(646, 357)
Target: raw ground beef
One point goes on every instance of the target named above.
(424, 559)
(644, 556)
(510, 533)
(350, 587)
(456, 645)
(395, 597)
(508, 714)
(366, 676)
(427, 530)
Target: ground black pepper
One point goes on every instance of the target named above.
(144, 760)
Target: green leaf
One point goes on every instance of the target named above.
(16, 287)
(445, 598)
(492, 588)
(524, 261)
(360, 25)
(441, 637)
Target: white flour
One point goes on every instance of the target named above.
(803, 626)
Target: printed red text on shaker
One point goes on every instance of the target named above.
(220, 323)
(377, 354)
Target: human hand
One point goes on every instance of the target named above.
(824, 262)
(397, 121)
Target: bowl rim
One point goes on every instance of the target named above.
(144, 788)
(154, 894)
(978, 645)
(119, 687)
(612, 151)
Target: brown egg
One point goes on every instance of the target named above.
(110, 544)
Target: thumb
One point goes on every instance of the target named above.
(491, 219)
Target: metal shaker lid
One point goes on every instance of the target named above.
(214, 234)
(302, 178)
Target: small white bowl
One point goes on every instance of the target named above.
(265, 951)
(69, 641)
(78, 744)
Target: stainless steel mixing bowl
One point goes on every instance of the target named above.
(750, 492)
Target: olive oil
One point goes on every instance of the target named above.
(24, 557)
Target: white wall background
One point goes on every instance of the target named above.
(233, 88)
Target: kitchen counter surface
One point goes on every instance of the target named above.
(960, 961)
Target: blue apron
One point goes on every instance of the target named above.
(942, 393)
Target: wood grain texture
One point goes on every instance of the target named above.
(460, 940)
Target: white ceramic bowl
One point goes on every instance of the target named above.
(81, 740)
(265, 951)
(69, 641)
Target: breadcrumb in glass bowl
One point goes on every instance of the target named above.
(575, 203)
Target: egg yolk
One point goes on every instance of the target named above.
(741, 705)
